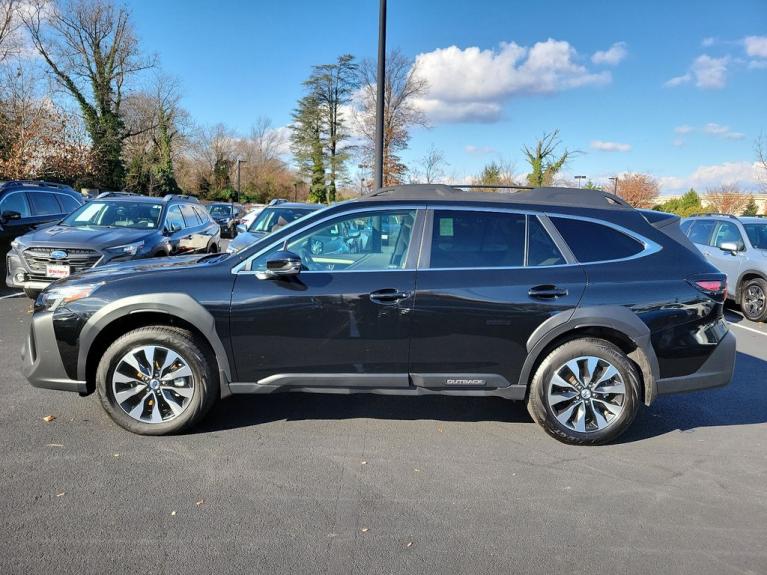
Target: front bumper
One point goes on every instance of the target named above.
(716, 371)
(41, 360)
(14, 267)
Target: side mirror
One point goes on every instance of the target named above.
(171, 229)
(731, 247)
(241, 229)
(281, 264)
(9, 215)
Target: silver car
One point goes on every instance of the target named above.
(738, 247)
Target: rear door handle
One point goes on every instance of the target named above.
(388, 296)
(547, 292)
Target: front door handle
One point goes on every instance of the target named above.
(547, 292)
(388, 296)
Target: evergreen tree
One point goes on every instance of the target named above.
(751, 208)
(308, 145)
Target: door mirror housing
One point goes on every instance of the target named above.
(281, 264)
(731, 247)
(9, 215)
(241, 229)
(171, 229)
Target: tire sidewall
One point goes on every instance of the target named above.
(179, 343)
(542, 412)
(763, 286)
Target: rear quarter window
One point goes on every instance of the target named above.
(594, 242)
(701, 231)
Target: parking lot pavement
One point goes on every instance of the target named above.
(371, 484)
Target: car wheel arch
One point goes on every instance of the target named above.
(745, 277)
(123, 315)
(616, 324)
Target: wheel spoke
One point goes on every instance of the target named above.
(186, 392)
(131, 360)
(607, 374)
(580, 418)
(123, 396)
(126, 379)
(181, 372)
(170, 358)
(137, 411)
(155, 416)
(591, 365)
(565, 415)
(557, 398)
(575, 368)
(611, 407)
(600, 419)
(559, 381)
(171, 402)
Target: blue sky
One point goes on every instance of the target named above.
(681, 94)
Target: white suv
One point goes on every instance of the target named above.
(738, 247)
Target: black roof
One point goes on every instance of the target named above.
(304, 205)
(170, 198)
(34, 184)
(573, 197)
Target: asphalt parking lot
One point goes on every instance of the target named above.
(371, 484)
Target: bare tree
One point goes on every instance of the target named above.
(726, 199)
(403, 87)
(639, 190)
(761, 158)
(431, 166)
(9, 24)
(91, 48)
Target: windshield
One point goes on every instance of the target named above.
(220, 210)
(272, 219)
(757, 235)
(119, 214)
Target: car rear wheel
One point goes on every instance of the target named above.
(585, 392)
(31, 293)
(753, 301)
(157, 380)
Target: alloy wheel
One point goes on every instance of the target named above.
(587, 394)
(754, 301)
(153, 384)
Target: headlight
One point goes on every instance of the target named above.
(231, 250)
(17, 245)
(127, 249)
(53, 297)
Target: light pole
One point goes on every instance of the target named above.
(239, 161)
(614, 180)
(580, 180)
(378, 169)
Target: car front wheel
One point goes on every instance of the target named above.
(753, 301)
(157, 380)
(585, 392)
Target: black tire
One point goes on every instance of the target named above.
(753, 300)
(32, 293)
(542, 412)
(233, 232)
(197, 355)
(213, 248)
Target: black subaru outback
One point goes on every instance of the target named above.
(569, 300)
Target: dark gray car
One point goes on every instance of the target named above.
(271, 219)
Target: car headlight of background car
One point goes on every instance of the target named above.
(126, 249)
(53, 297)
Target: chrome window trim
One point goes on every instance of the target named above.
(239, 268)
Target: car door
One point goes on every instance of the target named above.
(13, 228)
(728, 262)
(487, 279)
(198, 242)
(175, 228)
(344, 320)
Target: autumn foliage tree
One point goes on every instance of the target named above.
(638, 190)
(727, 199)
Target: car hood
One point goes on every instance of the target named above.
(245, 239)
(83, 236)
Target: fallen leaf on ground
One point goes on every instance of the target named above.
(172, 512)
(364, 529)
(364, 463)
(116, 454)
(48, 418)
(200, 502)
(409, 544)
(60, 494)
(54, 445)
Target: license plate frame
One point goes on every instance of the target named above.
(57, 271)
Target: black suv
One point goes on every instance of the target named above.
(570, 300)
(227, 216)
(27, 204)
(107, 230)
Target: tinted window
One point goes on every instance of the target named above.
(593, 242)
(190, 216)
(68, 203)
(202, 214)
(757, 235)
(15, 203)
(728, 233)
(174, 219)
(374, 241)
(116, 214)
(44, 204)
(701, 231)
(220, 210)
(477, 239)
(686, 225)
(272, 219)
(541, 249)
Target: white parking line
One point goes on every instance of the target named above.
(12, 295)
(760, 332)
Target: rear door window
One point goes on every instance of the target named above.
(190, 216)
(595, 242)
(15, 202)
(44, 204)
(701, 231)
(68, 203)
(541, 249)
(477, 239)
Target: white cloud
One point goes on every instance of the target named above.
(610, 146)
(683, 129)
(708, 42)
(757, 64)
(708, 73)
(721, 131)
(472, 84)
(756, 46)
(471, 149)
(612, 56)
(744, 174)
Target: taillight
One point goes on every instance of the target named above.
(716, 288)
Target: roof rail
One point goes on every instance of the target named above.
(169, 197)
(713, 214)
(276, 201)
(11, 183)
(115, 194)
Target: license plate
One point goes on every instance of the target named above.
(54, 271)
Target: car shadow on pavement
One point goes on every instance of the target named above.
(743, 402)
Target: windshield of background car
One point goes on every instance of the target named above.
(220, 210)
(121, 214)
(757, 235)
(272, 219)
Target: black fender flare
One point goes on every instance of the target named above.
(179, 305)
(615, 317)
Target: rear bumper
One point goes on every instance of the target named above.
(41, 360)
(715, 372)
